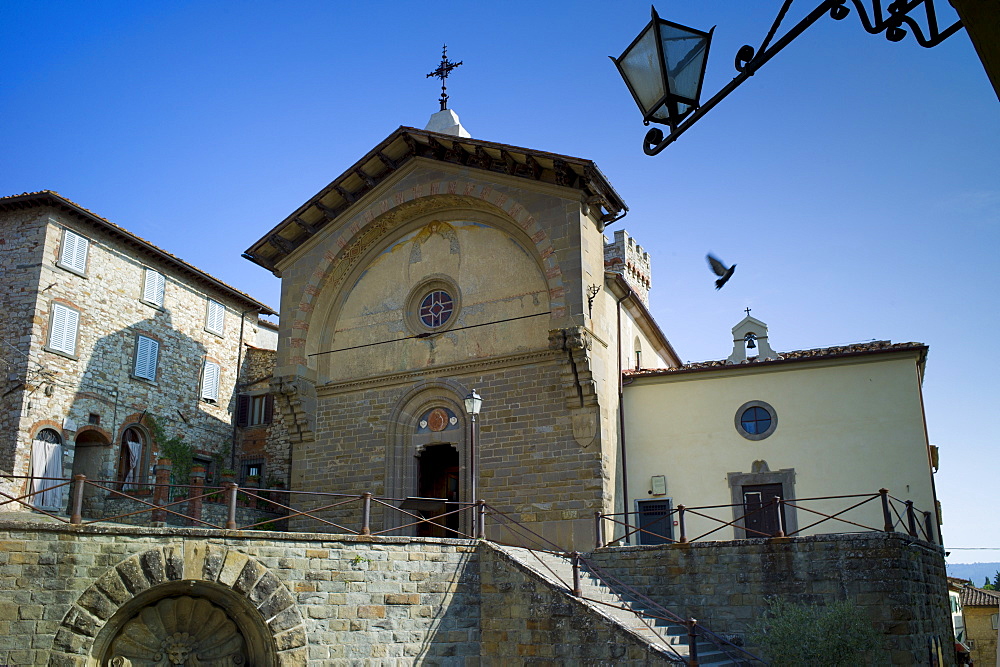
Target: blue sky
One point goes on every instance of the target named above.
(853, 180)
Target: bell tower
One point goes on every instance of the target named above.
(750, 341)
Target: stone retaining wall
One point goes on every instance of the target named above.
(320, 599)
(898, 581)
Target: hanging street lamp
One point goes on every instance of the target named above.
(664, 66)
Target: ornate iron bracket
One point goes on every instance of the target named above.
(895, 21)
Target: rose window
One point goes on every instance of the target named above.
(436, 309)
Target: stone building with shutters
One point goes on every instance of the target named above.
(261, 436)
(437, 265)
(103, 331)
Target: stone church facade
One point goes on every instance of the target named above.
(439, 265)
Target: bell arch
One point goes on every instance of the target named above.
(183, 604)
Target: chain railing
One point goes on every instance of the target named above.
(896, 514)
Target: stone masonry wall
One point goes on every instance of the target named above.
(525, 620)
(898, 581)
(95, 392)
(22, 240)
(336, 600)
(529, 463)
(264, 441)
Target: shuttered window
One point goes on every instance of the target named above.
(152, 288)
(254, 410)
(63, 328)
(215, 319)
(147, 351)
(210, 381)
(74, 251)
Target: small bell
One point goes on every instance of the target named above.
(750, 338)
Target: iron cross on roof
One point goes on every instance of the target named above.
(442, 72)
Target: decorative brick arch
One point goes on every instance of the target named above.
(376, 220)
(91, 428)
(249, 591)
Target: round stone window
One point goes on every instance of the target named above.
(433, 305)
(436, 309)
(755, 420)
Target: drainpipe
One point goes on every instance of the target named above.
(236, 387)
(621, 406)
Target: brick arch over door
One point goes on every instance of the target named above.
(252, 595)
(355, 238)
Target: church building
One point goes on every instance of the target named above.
(437, 266)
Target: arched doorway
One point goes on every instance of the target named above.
(47, 469)
(133, 458)
(90, 451)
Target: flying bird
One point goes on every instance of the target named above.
(719, 269)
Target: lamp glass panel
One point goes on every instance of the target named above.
(685, 55)
(641, 66)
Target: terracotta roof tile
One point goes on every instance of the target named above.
(54, 198)
(977, 597)
(783, 357)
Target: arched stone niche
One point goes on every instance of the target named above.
(190, 604)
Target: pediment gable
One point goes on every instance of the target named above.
(407, 144)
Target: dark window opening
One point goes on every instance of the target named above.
(255, 410)
(252, 472)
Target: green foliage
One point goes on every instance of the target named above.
(173, 447)
(796, 634)
(995, 586)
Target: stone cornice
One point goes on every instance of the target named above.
(391, 379)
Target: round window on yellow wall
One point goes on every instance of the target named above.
(755, 420)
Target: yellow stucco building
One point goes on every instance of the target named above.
(734, 434)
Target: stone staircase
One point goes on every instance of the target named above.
(669, 639)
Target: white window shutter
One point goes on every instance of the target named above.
(216, 319)
(210, 381)
(65, 322)
(153, 289)
(147, 351)
(74, 251)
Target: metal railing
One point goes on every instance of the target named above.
(157, 501)
(896, 513)
(650, 611)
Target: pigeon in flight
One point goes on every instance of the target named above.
(719, 269)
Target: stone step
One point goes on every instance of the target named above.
(671, 639)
